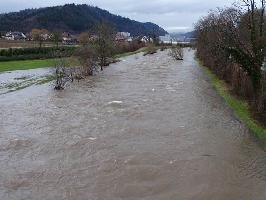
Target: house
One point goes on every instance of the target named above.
(47, 36)
(15, 36)
(146, 39)
(130, 39)
(123, 37)
(68, 39)
(66, 34)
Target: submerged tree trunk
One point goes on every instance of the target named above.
(177, 53)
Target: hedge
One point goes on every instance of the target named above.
(35, 53)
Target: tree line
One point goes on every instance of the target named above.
(72, 18)
(232, 43)
(93, 55)
(12, 54)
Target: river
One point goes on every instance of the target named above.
(147, 128)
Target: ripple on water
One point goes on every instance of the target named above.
(16, 144)
(148, 128)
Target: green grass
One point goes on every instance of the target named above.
(34, 64)
(25, 64)
(240, 107)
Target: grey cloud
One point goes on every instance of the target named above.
(162, 7)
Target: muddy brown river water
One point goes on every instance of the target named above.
(147, 128)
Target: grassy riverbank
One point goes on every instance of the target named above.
(25, 64)
(130, 53)
(240, 107)
(34, 64)
(25, 82)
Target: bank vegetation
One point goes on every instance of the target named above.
(93, 56)
(231, 42)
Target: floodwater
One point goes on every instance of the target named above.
(14, 80)
(147, 128)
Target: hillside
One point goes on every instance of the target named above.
(73, 18)
(191, 34)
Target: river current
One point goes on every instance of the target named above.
(147, 128)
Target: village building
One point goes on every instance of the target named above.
(68, 39)
(146, 39)
(15, 36)
(46, 36)
(123, 37)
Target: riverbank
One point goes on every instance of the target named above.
(34, 72)
(130, 53)
(35, 64)
(240, 107)
(20, 79)
(25, 64)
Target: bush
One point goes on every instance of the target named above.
(231, 44)
(88, 59)
(177, 52)
(151, 49)
(63, 74)
(35, 53)
(126, 47)
(162, 47)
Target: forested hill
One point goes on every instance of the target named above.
(73, 18)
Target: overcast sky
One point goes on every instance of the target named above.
(173, 15)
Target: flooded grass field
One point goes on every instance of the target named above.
(12, 81)
(147, 128)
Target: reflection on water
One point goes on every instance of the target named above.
(146, 128)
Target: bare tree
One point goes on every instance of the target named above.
(151, 49)
(63, 74)
(236, 34)
(105, 43)
(88, 59)
(38, 35)
(56, 38)
(262, 17)
(177, 52)
(232, 43)
(251, 58)
(84, 38)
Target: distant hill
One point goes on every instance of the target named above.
(73, 18)
(191, 34)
